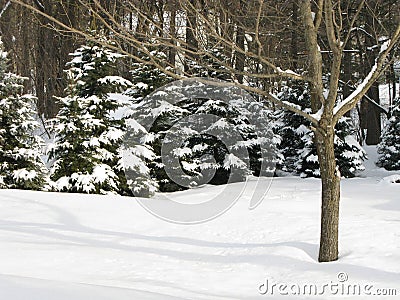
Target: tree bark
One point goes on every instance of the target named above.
(330, 178)
(191, 39)
(294, 36)
(172, 50)
(240, 39)
(373, 117)
(324, 131)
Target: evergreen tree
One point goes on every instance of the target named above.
(298, 146)
(20, 151)
(199, 156)
(291, 127)
(86, 150)
(212, 65)
(389, 147)
(137, 154)
(204, 139)
(348, 152)
(146, 78)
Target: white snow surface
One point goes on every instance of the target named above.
(58, 246)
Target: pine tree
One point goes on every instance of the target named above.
(292, 128)
(199, 156)
(137, 154)
(20, 150)
(211, 65)
(298, 146)
(86, 150)
(146, 175)
(146, 77)
(200, 149)
(348, 152)
(389, 147)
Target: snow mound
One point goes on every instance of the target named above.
(59, 246)
(392, 179)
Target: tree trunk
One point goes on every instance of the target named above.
(240, 57)
(294, 43)
(372, 117)
(191, 39)
(330, 178)
(172, 50)
(347, 70)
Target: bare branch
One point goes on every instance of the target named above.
(318, 15)
(5, 8)
(380, 65)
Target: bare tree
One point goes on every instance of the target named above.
(37, 51)
(266, 29)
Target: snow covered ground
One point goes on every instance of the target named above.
(74, 246)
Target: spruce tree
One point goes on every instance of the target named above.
(389, 147)
(146, 176)
(348, 152)
(298, 146)
(86, 149)
(204, 135)
(146, 77)
(20, 150)
(291, 127)
(213, 65)
(199, 156)
(136, 156)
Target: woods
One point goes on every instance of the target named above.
(340, 50)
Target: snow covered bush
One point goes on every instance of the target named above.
(203, 139)
(348, 152)
(293, 128)
(182, 147)
(146, 78)
(389, 147)
(20, 150)
(298, 146)
(137, 154)
(86, 150)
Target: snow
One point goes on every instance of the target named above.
(125, 102)
(58, 246)
(24, 174)
(392, 179)
(318, 114)
(134, 126)
(301, 130)
(117, 80)
(112, 135)
(132, 161)
(143, 151)
(181, 152)
(141, 85)
(62, 183)
(163, 106)
(222, 123)
(102, 173)
(84, 182)
(287, 72)
(233, 161)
